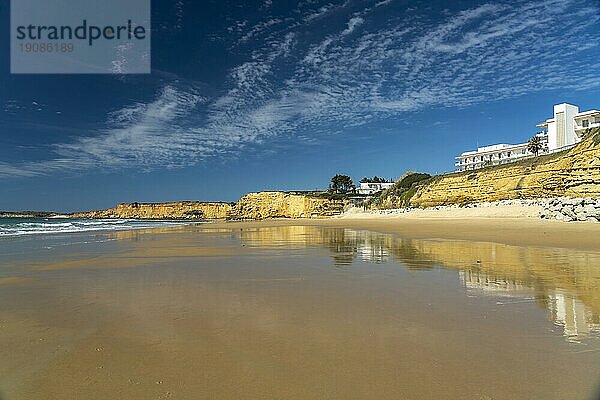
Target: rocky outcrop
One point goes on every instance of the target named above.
(575, 173)
(538, 203)
(176, 210)
(252, 206)
(568, 209)
(559, 208)
(264, 205)
(28, 214)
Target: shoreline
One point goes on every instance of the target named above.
(404, 285)
(512, 224)
(507, 230)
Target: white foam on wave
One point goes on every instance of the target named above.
(13, 228)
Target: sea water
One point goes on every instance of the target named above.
(40, 226)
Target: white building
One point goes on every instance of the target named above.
(561, 132)
(568, 125)
(497, 154)
(373, 187)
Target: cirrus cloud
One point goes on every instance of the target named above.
(296, 83)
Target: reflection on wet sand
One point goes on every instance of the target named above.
(564, 309)
(565, 282)
(296, 313)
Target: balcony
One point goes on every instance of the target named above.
(589, 125)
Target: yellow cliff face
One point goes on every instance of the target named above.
(284, 205)
(176, 210)
(252, 206)
(575, 173)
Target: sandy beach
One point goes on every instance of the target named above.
(516, 225)
(348, 308)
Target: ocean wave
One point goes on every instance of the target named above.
(45, 226)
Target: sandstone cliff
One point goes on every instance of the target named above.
(176, 210)
(574, 173)
(285, 205)
(252, 206)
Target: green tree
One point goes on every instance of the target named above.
(375, 179)
(341, 184)
(534, 145)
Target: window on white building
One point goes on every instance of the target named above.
(585, 123)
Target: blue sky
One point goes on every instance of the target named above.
(247, 96)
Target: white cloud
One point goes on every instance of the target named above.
(321, 12)
(119, 64)
(352, 25)
(296, 84)
(383, 3)
(259, 28)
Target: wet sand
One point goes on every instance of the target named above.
(509, 230)
(305, 309)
